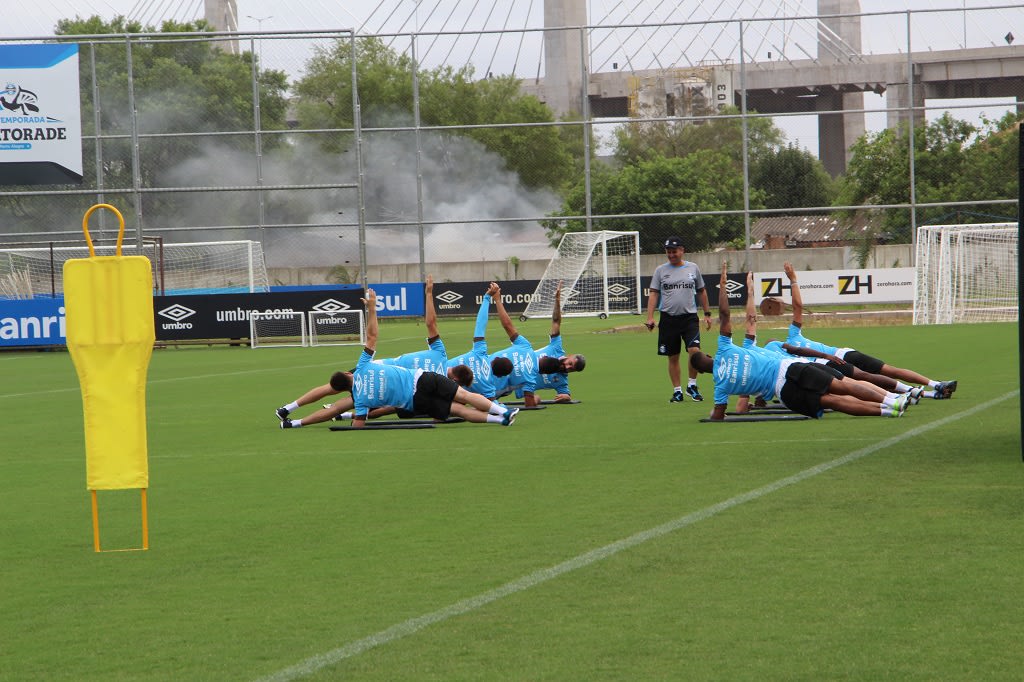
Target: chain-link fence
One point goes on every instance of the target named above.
(346, 153)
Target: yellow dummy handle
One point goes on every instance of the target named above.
(85, 227)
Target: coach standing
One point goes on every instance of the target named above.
(679, 284)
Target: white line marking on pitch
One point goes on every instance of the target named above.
(183, 378)
(320, 661)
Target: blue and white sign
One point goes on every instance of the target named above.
(40, 115)
(33, 322)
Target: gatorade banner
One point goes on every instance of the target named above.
(40, 115)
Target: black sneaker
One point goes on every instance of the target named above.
(943, 390)
(282, 413)
(510, 417)
(286, 424)
(694, 394)
(677, 397)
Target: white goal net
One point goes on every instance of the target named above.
(192, 267)
(966, 273)
(277, 328)
(341, 328)
(599, 272)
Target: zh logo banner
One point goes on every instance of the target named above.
(852, 284)
(773, 286)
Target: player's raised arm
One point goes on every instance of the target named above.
(483, 314)
(724, 322)
(556, 312)
(371, 320)
(798, 301)
(751, 310)
(506, 321)
(429, 314)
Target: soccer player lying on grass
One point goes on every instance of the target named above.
(861, 361)
(526, 366)
(433, 359)
(750, 343)
(803, 387)
(477, 359)
(557, 381)
(374, 384)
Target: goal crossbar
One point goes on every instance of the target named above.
(185, 267)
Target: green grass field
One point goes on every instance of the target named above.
(618, 539)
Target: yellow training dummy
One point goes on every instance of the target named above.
(108, 302)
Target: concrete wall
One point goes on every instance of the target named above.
(761, 260)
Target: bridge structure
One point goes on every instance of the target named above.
(830, 84)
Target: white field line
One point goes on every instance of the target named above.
(198, 376)
(76, 389)
(318, 662)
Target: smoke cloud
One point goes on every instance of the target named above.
(477, 208)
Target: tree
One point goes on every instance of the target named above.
(989, 168)
(448, 97)
(792, 178)
(640, 139)
(703, 181)
(954, 161)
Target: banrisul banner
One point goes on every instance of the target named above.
(35, 322)
(40, 115)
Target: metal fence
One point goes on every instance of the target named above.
(401, 156)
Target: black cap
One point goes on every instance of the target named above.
(673, 243)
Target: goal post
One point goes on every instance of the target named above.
(275, 329)
(188, 267)
(599, 272)
(337, 328)
(966, 273)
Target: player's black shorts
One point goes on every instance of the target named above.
(844, 368)
(434, 395)
(805, 383)
(864, 362)
(677, 331)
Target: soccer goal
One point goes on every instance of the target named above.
(339, 328)
(190, 267)
(274, 329)
(599, 272)
(966, 273)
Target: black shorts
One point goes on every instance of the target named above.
(805, 383)
(677, 331)
(844, 368)
(864, 362)
(434, 395)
